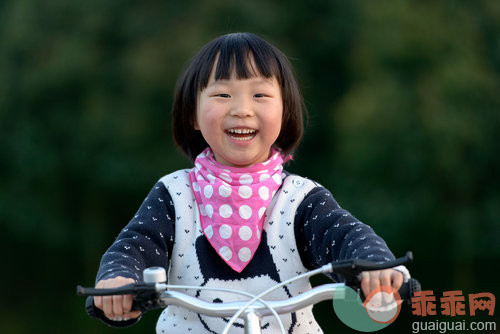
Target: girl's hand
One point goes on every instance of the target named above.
(371, 280)
(117, 307)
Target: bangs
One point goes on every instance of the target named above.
(241, 54)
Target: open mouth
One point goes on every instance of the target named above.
(242, 134)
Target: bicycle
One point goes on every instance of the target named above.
(154, 293)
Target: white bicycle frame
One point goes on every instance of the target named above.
(252, 311)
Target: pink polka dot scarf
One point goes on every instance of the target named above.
(232, 203)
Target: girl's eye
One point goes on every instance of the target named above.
(223, 95)
(260, 95)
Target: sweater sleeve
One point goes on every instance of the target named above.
(146, 241)
(325, 232)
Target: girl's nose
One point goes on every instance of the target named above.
(242, 108)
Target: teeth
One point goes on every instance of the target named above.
(241, 131)
(243, 138)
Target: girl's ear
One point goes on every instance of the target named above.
(195, 124)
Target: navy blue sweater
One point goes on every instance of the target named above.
(324, 233)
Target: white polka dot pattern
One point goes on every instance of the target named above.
(225, 190)
(245, 192)
(264, 193)
(261, 212)
(244, 254)
(225, 211)
(245, 233)
(245, 212)
(232, 203)
(225, 231)
(226, 253)
(225, 177)
(208, 191)
(209, 232)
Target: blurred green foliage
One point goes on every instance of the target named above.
(403, 127)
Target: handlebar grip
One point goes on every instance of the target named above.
(146, 295)
(350, 269)
(123, 290)
(408, 289)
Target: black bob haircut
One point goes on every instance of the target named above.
(235, 52)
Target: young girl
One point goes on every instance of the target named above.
(236, 219)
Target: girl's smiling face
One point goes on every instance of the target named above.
(240, 119)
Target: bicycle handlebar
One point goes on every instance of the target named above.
(149, 296)
(128, 289)
(351, 268)
(313, 296)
